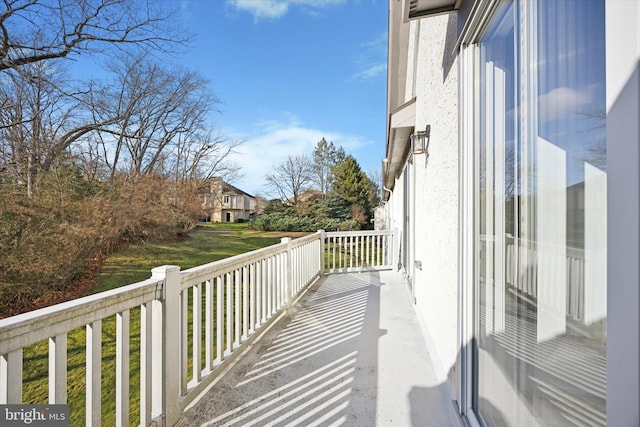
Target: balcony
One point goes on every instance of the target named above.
(316, 330)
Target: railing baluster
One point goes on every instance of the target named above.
(336, 254)
(263, 292)
(304, 258)
(367, 243)
(283, 280)
(253, 301)
(122, 368)
(11, 377)
(229, 312)
(276, 283)
(332, 265)
(196, 317)
(287, 273)
(208, 331)
(146, 351)
(184, 340)
(93, 373)
(237, 308)
(346, 253)
(269, 284)
(219, 318)
(58, 369)
(295, 273)
(245, 302)
(259, 294)
(280, 281)
(158, 337)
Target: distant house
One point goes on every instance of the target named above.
(307, 196)
(222, 202)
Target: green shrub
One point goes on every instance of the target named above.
(283, 221)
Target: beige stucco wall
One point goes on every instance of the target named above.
(435, 221)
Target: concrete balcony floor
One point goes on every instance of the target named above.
(349, 353)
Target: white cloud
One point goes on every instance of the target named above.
(273, 9)
(561, 102)
(372, 59)
(271, 142)
(371, 72)
(379, 43)
(260, 9)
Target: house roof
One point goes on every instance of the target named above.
(206, 184)
(228, 188)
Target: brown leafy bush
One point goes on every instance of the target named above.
(50, 241)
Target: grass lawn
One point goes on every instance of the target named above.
(132, 264)
(205, 244)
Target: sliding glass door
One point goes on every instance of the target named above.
(540, 297)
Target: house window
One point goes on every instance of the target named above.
(541, 238)
(225, 199)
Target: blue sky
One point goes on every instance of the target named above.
(289, 72)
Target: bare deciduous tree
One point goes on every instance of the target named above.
(33, 31)
(162, 127)
(36, 123)
(205, 155)
(291, 178)
(41, 119)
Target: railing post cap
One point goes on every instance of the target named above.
(163, 270)
(285, 239)
(320, 231)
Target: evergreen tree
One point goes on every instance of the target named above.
(325, 157)
(352, 184)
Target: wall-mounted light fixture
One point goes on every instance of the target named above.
(420, 140)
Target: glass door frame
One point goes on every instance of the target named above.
(468, 63)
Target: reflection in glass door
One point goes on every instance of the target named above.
(541, 293)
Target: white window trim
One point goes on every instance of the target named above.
(622, 32)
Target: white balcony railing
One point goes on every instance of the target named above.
(202, 317)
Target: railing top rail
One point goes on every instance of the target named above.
(360, 233)
(229, 264)
(305, 239)
(34, 326)
(226, 265)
